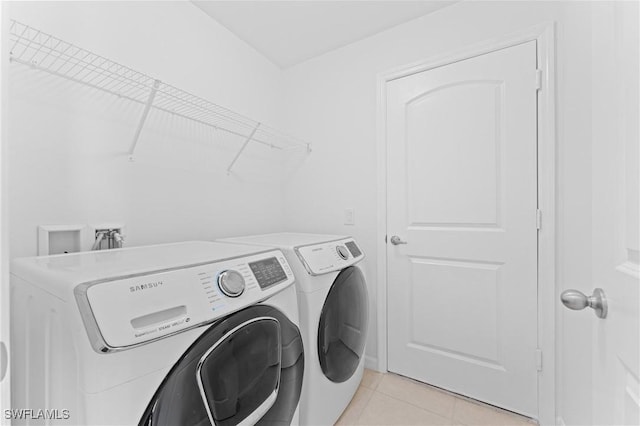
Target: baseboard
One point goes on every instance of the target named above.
(371, 362)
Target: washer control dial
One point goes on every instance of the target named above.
(231, 283)
(342, 252)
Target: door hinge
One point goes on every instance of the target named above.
(4, 360)
(538, 79)
(538, 219)
(539, 359)
(385, 239)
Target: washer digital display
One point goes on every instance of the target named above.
(268, 272)
(353, 248)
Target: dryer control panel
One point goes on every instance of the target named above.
(123, 313)
(329, 256)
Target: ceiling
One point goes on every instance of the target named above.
(290, 32)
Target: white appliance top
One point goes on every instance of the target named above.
(131, 296)
(320, 254)
(58, 273)
(288, 240)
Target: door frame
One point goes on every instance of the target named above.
(544, 35)
(5, 383)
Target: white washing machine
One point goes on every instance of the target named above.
(160, 335)
(333, 302)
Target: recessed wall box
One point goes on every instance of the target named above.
(59, 239)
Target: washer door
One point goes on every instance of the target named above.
(244, 369)
(342, 332)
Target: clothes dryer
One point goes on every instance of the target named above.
(183, 334)
(333, 302)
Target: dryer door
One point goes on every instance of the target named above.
(245, 369)
(342, 332)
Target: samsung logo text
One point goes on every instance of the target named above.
(147, 286)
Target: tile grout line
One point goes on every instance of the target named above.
(451, 417)
(373, 391)
(457, 398)
(417, 406)
(426, 386)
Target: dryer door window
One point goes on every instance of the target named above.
(342, 331)
(245, 369)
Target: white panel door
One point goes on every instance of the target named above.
(462, 193)
(616, 214)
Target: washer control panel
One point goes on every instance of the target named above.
(268, 272)
(330, 256)
(126, 312)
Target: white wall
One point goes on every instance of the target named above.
(68, 143)
(331, 100)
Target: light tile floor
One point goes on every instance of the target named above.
(388, 399)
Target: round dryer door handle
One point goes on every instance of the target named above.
(395, 240)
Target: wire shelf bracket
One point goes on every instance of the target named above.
(145, 113)
(244, 145)
(44, 52)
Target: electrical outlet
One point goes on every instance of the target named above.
(349, 216)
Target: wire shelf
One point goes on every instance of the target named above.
(37, 49)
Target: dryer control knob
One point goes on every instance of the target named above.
(342, 252)
(231, 283)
